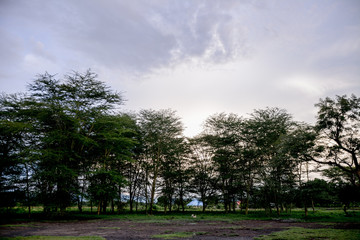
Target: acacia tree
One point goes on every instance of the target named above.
(115, 139)
(298, 147)
(338, 123)
(223, 135)
(135, 178)
(176, 174)
(159, 131)
(265, 130)
(63, 114)
(204, 177)
(14, 146)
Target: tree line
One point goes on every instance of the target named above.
(66, 142)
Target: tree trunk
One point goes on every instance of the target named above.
(79, 204)
(247, 204)
(152, 196)
(137, 200)
(233, 204)
(104, 205)
(112, 206)
(131, 197)
(170, 202)
(345, 210)
(98, 209)
(120, 202)
(203, 198)
(28, 191)
(312, 205)
(146, 198)
(182, 201)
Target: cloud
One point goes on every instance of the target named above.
(140, 35)
(195, 56)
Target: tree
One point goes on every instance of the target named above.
(319, 192)
(63, 115)
(178, 171)
(159, 131)
(204, 177)
(115, 138)
(338, 123)
(14, 145)
(264, 132)
(344, 191)
(222, 134)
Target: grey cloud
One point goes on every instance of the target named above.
(137, 35)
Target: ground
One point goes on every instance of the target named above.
(127, 229)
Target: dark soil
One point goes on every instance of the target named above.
(125, 229)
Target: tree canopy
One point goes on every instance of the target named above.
(67, 142)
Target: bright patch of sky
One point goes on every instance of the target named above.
(198, 57)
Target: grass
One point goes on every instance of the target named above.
(177, 235)
(173, 235)
(53, 238)
(297, 233)
(18, 225)
(320, 215)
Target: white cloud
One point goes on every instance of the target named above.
(306, 85)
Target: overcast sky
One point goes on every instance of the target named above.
(198, 57)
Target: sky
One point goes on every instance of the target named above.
(197, 57)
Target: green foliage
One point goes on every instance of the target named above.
(65, 143)
(223, 136)
(319, 191)
(338, 124)
(203, 172)
(161, 133)
(267, 134)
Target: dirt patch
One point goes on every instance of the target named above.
(121, 229)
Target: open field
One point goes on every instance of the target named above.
(323, 224)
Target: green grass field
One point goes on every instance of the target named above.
(305, 233)
(320, 215)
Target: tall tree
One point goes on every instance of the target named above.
(115, 138)
(159, 130)
(175, 174)
(64, 114)
(204, 177)
(14, 146)
(297, 148)
(267, 127)
(223, 135)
